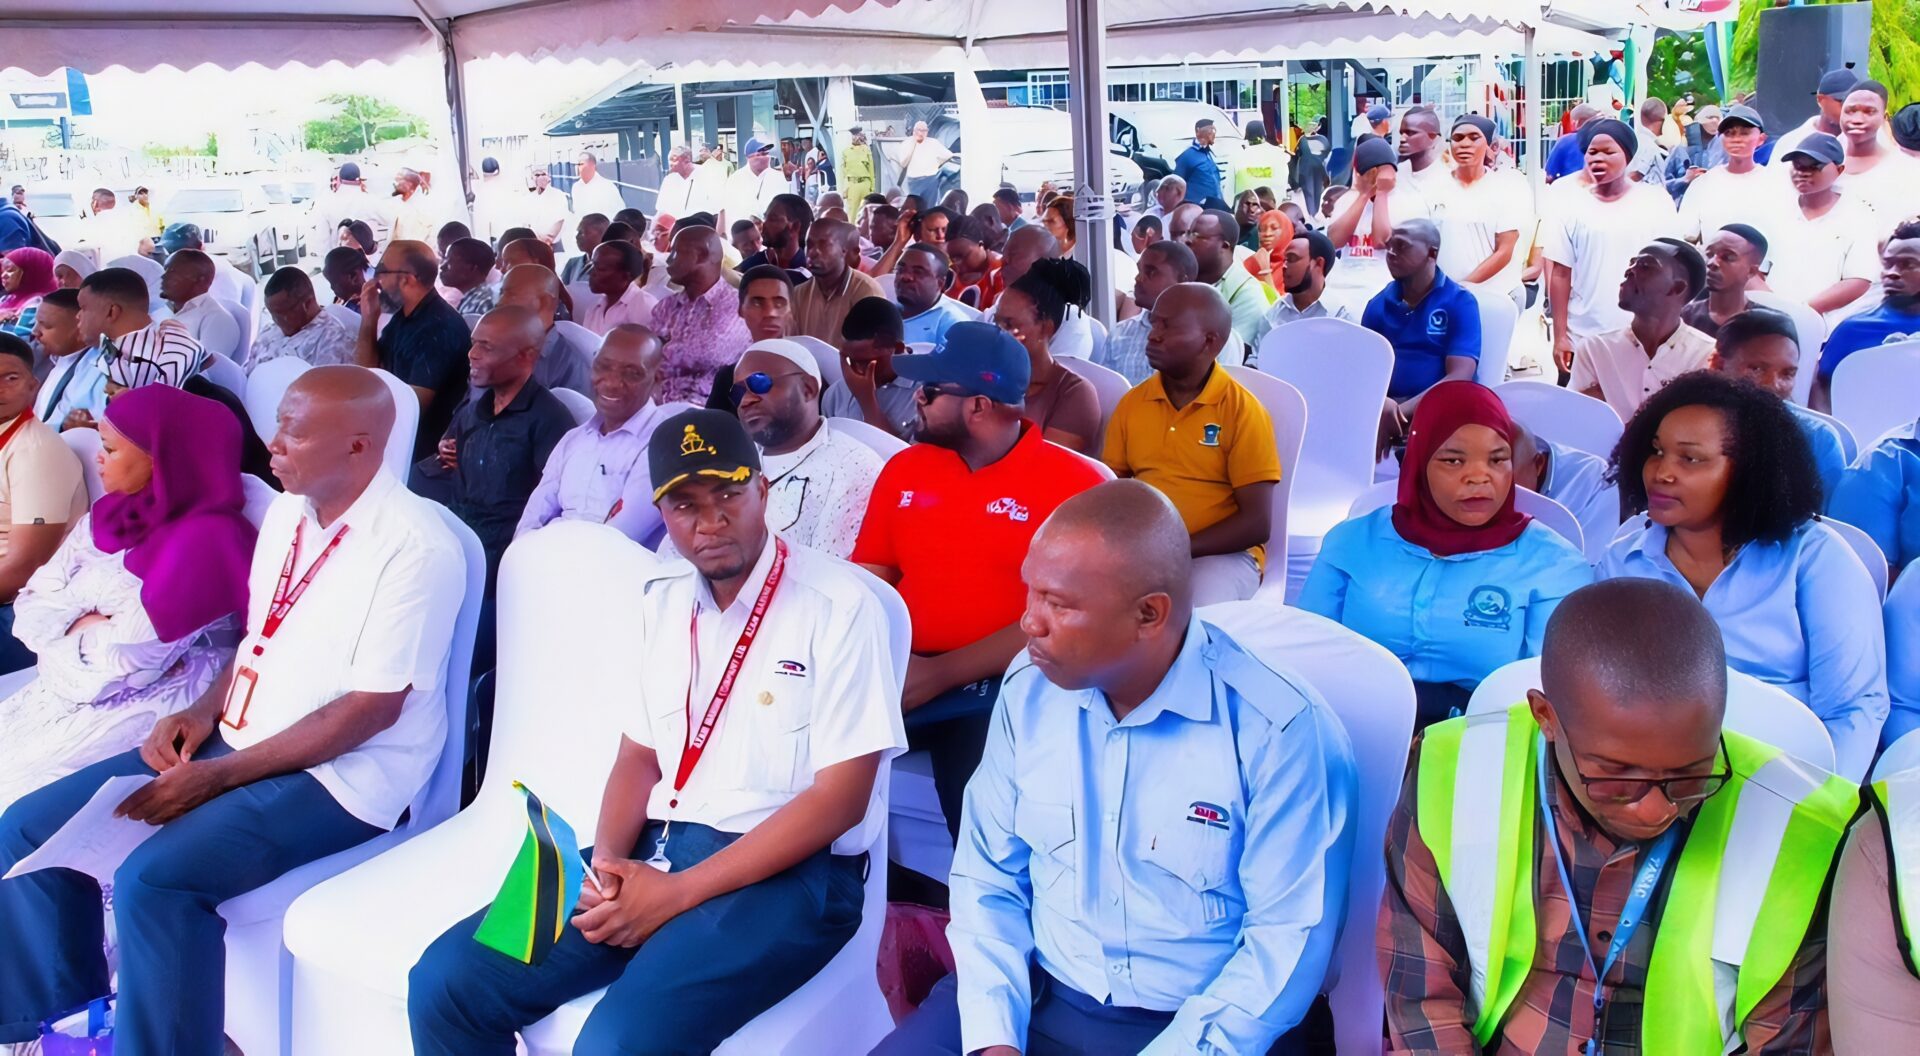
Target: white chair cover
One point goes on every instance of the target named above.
(1849, 443)
(1498, 317)
(1876, 389)
(1368, 688)
(259, 971)
(885, 282)
(1526, 500)
(1108, 384)
(1900, 756)
(266, 386)
(243, 319)
(406, 422)
(85, 444)
(581, 407)
(883, 443)
(825, 356)
(1866, 550)
(343, 315)
(1763, 712)
(1563, 416)
(260, 495)
(1287, 409)
(227, 374)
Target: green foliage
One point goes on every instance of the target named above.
(1894, 49)
(361, 122)
(1679, 65)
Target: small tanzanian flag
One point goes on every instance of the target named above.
(530, 912)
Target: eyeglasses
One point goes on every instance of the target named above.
(759, 383)
(1681, 791)
(933, 390)
(391, 271)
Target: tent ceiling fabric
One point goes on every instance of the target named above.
(736, 37)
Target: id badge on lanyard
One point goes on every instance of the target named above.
(286, 594)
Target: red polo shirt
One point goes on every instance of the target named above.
(958, 536)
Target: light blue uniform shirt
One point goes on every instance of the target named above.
(1577, 480)
(1449, 619)
(931, 325)
(1903, 658)
(1829, 453)
(86, 392)
(1801, 614)
(1880, 495)
(1191, 857)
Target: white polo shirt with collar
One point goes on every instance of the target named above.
(602, 477)
(817, 688)
(211, 325)
(378, 617)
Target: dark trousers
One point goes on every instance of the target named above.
(1437, 701)
(696, 981)
(14, 656)
(166, 899)
(1065, 1022)
(952, 728)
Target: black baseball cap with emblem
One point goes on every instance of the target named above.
(700, 443)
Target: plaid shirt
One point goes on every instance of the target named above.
(1423, 954)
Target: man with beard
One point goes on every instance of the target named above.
(818, 480)
(783, 236)
(425, 345)
(1896, 319)
(1303, 276)
(949, 524)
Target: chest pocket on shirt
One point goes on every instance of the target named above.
(1198, 850)
(1047, 828)
(778, 713)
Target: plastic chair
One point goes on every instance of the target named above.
(1766, 713)
(1900, 756)
(1108, 384)
(1849, 444)
(1287, 409)
(564, 606)
(243, 319)
(825, 356)
(1342, 370)
(1563, 415)
(147, 268)
(917, 836)
(259, 971)
(1368, 688)
(1866, 550)
(840, 1009)
(1812, 331)
(1526, 500)
(1099, 330)
(578, 405)
(85, 444)
(883, 443)
(259, 496)
(885, 282)
(266, 386)
(406, 422)
(227, 374)
(1874, 389)
(343, 315)
(1498, 316)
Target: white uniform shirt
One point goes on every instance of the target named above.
(1888, 188)
(817, 688)
(683, 195)
(496, 207)
(1762, 198)
(818, 493)
(1812, 254)
(747, 195)
(1597, 239)
(542, 210)
(925, 158)
(1472, 217)
(602, 477)
(378, 617)
(211, 325)
(598, 195)
(1625, 374)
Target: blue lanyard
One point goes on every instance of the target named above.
(1630, 915)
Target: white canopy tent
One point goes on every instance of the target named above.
(779, 38)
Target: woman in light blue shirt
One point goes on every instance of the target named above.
(1730, 493)
(1451, 578)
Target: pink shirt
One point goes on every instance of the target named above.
(702, 334)
(634, 306)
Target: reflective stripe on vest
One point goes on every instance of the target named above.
(1711, 964)
(1897, 798)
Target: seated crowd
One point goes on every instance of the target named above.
(801, 414)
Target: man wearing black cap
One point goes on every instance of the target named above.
(949, 524)
(751, 189)
(1365, 218)
(1828, 256)
(727, 876)
(1828, 98)
(1739, 192)
(1200, 169)
(350, 200)
(1734, 255)
(1625, 366)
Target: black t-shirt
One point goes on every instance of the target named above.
(1696, 315)
(428, 349)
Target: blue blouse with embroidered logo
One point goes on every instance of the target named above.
(1801, 614)
(1449, 619)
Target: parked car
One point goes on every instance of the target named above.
(236, 220)
(1036, 146)
(291, 218)
(1154, 134)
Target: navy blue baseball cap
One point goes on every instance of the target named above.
(1378, 113)
(980, 358)
(1820, 147)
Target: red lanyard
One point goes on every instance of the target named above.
(696, 743)
(7, 437)
(284, 599)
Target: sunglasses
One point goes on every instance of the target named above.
(759, 383)
(932, 390)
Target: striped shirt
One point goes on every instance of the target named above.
(158, 353)
(1423, 953)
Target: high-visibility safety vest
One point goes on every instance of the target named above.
(1728, 935)
(1897, 798)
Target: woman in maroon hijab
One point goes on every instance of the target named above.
(132, 618)
(1451, 578)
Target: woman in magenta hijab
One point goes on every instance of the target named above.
(1451, 578)
(26, 275)
(135, 614)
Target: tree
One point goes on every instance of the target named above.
(1893, 50)
(1677, 66)
(361, 122)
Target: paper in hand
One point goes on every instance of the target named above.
(93, 841)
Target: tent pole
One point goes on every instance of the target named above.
(457, 111)
(1532, 113)
(1086, 67)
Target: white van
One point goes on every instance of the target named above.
(1154, 134)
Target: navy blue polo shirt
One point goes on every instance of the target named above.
(1445, 323)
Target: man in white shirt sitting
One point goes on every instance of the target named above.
(598, 472)
(818, 480)
(1625, 366)
(613, 268)
(299, 327)
(316, 738)
(187, 287)
(229, 282)
(729, 875)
